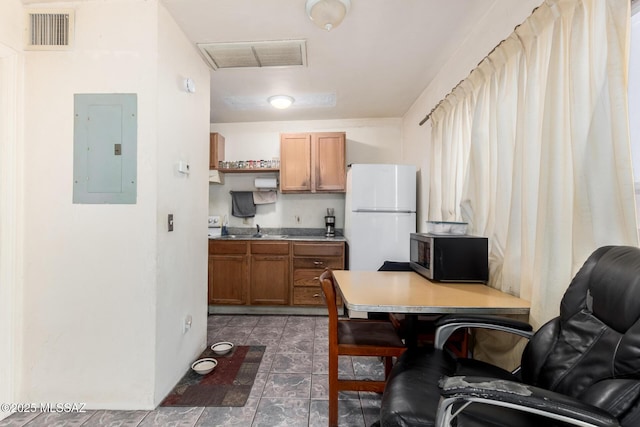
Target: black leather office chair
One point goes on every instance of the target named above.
(581, 368)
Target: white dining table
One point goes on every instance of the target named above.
(408, 292)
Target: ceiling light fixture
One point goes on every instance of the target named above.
(327, 14)
(280, 101)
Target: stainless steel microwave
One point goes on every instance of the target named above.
(450, 258)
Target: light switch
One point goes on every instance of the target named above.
(170, 222)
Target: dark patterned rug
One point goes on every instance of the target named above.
(228, 385)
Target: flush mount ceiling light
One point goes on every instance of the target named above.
(302, 100)
(280, 101)
(327, 14)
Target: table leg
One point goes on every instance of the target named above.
(411, 331)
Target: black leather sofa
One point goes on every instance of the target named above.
(581, 368)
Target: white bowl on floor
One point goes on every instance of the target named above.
(204, 366)
(222, 348)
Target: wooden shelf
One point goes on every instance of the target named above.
(248, 170)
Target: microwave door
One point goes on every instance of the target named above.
(422, 256)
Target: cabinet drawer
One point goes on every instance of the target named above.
(310, 296)
(270, 248)
(227, 248)
(306, 277)
(320, 249)
(318, 262)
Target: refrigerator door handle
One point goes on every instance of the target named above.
(382, 211)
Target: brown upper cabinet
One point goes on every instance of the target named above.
(216, 149)
(313, 162)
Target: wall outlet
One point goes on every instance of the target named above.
(187, 324)
(297, 219)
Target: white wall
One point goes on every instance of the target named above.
(498, 22)
(10, 205)
(90, 269)
(99, 279)
(634, 100)
(12, 21)
(368, 141)
(183, 134)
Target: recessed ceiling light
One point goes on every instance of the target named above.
(280, 101)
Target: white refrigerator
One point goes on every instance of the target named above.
(380, 214)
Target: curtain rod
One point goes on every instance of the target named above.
(423, 121)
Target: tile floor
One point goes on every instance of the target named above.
(290, 390)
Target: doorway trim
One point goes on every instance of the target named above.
(11, 120)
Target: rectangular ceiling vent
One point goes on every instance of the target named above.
(49, 29)
(279, 53)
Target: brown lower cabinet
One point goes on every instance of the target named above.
(269, 277)
(246, 272)
(228, 272)
(309, 261)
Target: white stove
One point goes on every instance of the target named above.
(215, 225)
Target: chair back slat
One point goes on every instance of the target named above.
(329, 291)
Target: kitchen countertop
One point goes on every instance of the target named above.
(280, 237)
(286, 234)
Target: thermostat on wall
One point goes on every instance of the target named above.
(189, 85)
(183, 167)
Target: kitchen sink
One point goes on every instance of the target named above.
(269, 236)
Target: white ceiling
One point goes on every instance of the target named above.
(376, 63)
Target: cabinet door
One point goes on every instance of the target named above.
(216, 149)
(295, 162)
(329, 164)
(269, 280)
(228, 279)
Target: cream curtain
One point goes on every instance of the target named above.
(532, 149)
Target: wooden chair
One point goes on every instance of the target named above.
(351, 337)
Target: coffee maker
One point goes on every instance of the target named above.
(330, 223)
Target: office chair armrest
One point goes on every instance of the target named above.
(447, 325)
(462, 391)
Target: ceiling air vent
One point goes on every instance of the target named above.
(280, 53)
(49, 29)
